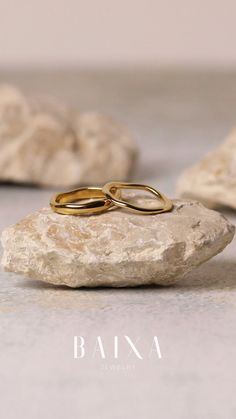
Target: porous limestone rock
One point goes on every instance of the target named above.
(45, 143)
(116, 248)
(213, 180)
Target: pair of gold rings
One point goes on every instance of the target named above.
(107, 198)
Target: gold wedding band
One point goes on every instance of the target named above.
(67, 202)
(104, 199)
(110, 190)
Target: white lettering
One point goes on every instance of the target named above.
(155, 347)
(99, 348)
(133, 348)
(81, 346)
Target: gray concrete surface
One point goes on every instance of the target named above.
(176, 118)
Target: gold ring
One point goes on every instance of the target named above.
(66, 202)
(111, 188)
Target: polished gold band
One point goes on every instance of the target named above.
(104, 199)
(111, 188)
(67, 203)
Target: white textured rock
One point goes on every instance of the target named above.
(213, 180)
(45, 143)
(116, 248)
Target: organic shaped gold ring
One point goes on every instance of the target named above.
(111, 188)
(67, 202)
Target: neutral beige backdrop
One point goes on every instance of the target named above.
(101, 32)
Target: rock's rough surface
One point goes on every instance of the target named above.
(213, 180)
(116, 248)
(45, 143)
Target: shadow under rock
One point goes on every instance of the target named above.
(40, 285)
(20, 185)
(27, 186)
(214, 274)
